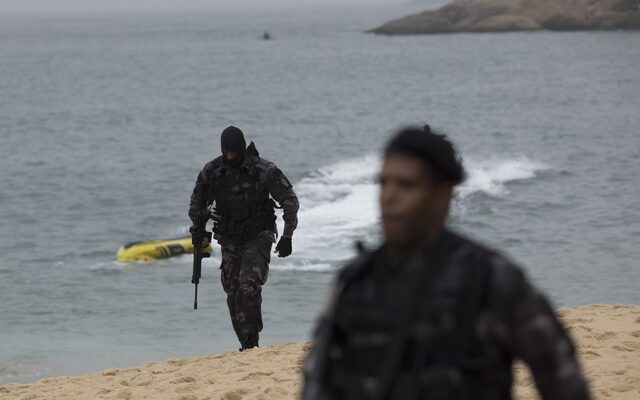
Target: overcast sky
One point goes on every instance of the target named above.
(8, 7)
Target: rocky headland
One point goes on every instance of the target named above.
(519, 15)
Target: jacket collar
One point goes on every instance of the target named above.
(251, 156)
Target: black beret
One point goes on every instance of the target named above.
(431, 147)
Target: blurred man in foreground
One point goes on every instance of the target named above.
(431, 314)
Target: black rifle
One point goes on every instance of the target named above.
(198, 234)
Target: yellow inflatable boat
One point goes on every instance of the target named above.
(156, 249)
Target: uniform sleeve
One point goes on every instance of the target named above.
(317, 364)
(282, 191)
(540, 340)
(199, 197)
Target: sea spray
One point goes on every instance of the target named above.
(338, 205)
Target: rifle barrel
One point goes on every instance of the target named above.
(198, 234)
(195, 300)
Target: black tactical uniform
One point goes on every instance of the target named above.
(244, 201)
(446, 325)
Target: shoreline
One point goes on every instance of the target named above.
(607, 337)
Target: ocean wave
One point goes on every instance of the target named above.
(492, 176)
(338, 204)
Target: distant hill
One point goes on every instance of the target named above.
(519, 15)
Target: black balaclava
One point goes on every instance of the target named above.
(232, 138)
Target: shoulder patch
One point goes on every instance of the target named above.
(280, 177)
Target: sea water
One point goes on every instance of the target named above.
(105, 122)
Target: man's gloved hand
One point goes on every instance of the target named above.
(284, 247)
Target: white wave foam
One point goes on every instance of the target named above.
(337, 205)
(490, 176)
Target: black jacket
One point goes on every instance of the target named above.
(255, 181)
(447, 325)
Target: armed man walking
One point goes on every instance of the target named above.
(431, 314)
(243, 187)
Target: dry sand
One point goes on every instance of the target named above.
(608, 339)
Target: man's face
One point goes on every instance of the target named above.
(230, 154)
(413, 207)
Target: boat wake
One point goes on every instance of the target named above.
(338, 205)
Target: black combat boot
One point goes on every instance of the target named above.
(249, 342)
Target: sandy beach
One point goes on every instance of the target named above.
(607, 336)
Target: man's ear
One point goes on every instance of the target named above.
(444, 194)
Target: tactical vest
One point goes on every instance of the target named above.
(242, 202)
(439, 356)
